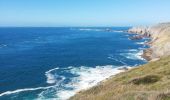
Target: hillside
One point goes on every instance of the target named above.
(147, 82)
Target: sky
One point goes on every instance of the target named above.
(83, 12)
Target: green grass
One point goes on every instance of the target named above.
(146, 82)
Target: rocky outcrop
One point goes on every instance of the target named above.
(160, 40)
(139, 30)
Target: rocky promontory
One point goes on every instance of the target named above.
(160, 40)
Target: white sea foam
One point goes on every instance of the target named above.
(51, 77)
(139, 55)
(86, 78)
(89, 29)
(112, 58)
(140, 43)
(134, 54)
(118, 31)
(24, 90)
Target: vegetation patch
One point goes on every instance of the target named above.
(148, 79)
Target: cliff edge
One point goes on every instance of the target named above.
(160, 40)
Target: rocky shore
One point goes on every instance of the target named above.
(160, 40)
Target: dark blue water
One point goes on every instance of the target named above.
(49, 63)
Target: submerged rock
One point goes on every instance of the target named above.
(123, 68)
(136, 37)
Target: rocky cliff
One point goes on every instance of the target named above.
(160, 39)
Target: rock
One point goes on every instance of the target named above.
(136, 37)
(155, 59)
(139, 30)
(147, 54)
(123, 68)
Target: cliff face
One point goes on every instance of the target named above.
(160, 39)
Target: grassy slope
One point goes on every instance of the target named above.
(147, 82)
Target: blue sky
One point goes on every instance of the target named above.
(83, 12)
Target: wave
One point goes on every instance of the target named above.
(134, 54)
(24, 90)
(2, 45)
(140, 43)
(52, 78)
(84, 78)
(118, 31)
(133, 50)
(117, 60)
(89, 29)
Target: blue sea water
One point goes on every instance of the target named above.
(46, 63)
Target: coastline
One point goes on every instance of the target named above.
(140, 33)
(86, 76)
(148, 54)
(159, 43)
(121, 69)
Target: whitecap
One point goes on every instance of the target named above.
(24, 90)
(140, 43)
(87, 78)
(134, 54)
(117, 60)
(51, 77)
(89, 29)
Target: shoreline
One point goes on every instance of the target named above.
(139, 36)
(148, 54)
(121, 69)
(159, 44)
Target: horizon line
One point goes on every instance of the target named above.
(55, 26)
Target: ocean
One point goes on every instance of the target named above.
(53, 63)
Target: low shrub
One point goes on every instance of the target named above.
(148, 79)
